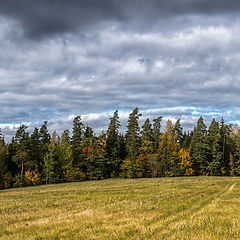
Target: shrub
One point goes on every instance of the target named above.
(74, 175)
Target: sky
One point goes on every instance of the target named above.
(63, 58)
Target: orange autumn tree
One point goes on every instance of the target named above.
(185, 162)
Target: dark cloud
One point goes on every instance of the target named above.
(170, 58)
(48, 17)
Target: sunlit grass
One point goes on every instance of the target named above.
(164, 208)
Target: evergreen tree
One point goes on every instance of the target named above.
(21, 145)
(147, 131)
(121, 147)
(177, 130)
(88, 133)
(85, 149)
(77, 131)
(225, 143)
(112, 145)
(2, 160)
(186, 139)
(214, 143)
(65, 152)
(234, 156)
(147, 138)
(11, 165)
(44, 135)
(147, 156)
(44, 142)
(52, 167)
(132, 135)
(199, 147)
(156, 131)
(76, 140)
(34, 148)
(93, 155)
(129, 166)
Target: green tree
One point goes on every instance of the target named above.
(186, 139)
(77, 135)
(133, 142)
(93, 156)
(34, 148)
(146, 157)
(21, 157)
(177, 130)
(234, 157)
(156, 131)
(112, 145)
(65, 152)
(168, 152)
(214, 144)
(225, 143)
(133, 135)
(44, 142)
(52, 167)
(199, 148)
(3, 167)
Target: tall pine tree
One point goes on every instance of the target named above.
(112, 145)
(77, 135)
(214, 144)
(133, 135)
(199, 147)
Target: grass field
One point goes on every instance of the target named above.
(164, 208)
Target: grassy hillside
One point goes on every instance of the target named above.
(165, 208)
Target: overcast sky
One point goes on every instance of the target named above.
(62, 58)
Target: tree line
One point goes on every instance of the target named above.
(146, 151)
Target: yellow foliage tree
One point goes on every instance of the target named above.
(186, 162)
(168, 152)
(33, 177)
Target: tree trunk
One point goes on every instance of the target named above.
(231, 165)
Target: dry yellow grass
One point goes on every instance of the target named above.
(165, 208)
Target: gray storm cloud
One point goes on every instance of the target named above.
(64, 58)
(46, 17)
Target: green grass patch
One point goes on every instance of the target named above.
(161, 208)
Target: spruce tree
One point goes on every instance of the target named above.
(77, 135)
(133, 143)
(147, 131)
(44, 142)
(147, 138)
(132, 135)
(34, 149)
(2, 160)
(112, 145)
(225, 142)
(186, 140)
(65, 152)
(21, 157)
(199, 147)
(234, 156)
(85, 148)
(147, 148)
(177, 130)
(88, 132)
(215, 154)
(52, 167)
(156, 131)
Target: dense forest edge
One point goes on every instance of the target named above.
(146, 151)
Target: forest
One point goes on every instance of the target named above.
(142, 152)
